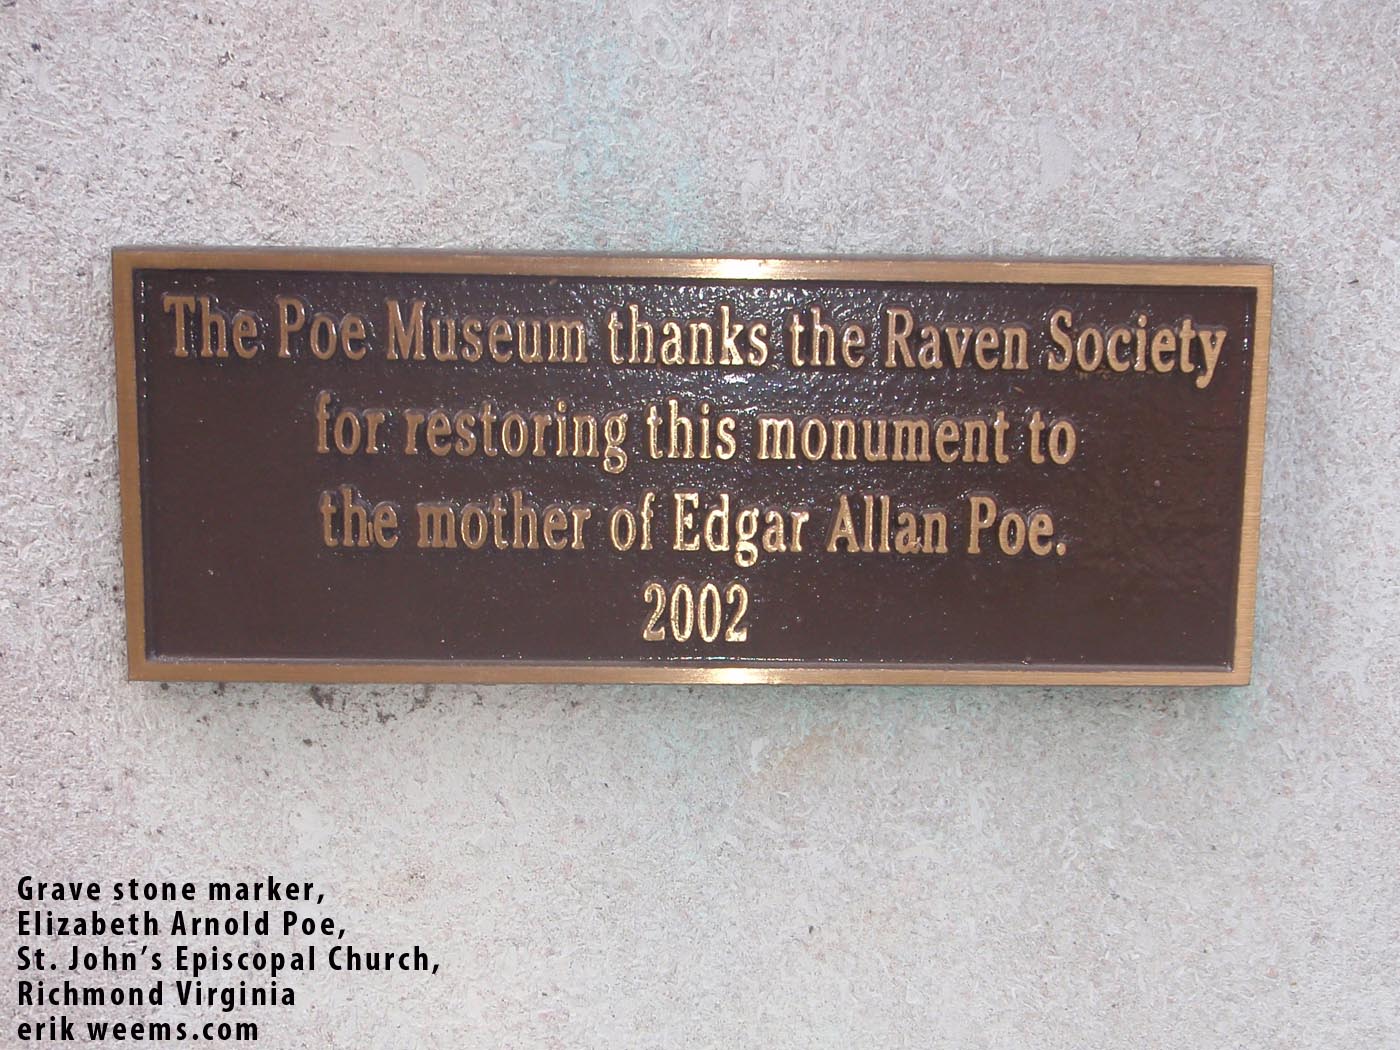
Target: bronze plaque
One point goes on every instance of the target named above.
(389, 466)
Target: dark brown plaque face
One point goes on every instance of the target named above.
(435, 467)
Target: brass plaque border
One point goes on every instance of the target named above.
(141, 667)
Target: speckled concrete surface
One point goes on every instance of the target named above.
(601, 867)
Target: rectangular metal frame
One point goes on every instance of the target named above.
(125, 261)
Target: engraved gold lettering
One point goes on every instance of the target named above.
(181, 306)
(899, 325)
(213, 330)
(360, 525)
(291, 318)
(1212, 340)
(405, 339)
(1060, 321)
(243, 335)
(684, 612)
(507, 521)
